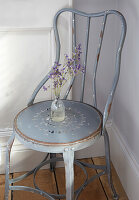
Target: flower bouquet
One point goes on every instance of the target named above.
(60, 75)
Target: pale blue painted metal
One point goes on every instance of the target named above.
(81, 121)
(118, 55)
(83, 126)
(73, 31)
(33, 190)
(73, 49)
(97, 60)
(68, 156)
(85, 57)
(62, 196)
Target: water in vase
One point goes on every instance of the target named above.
(57, 110)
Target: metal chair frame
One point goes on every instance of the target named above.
(67, 152)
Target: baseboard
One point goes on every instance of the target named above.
(124, 162)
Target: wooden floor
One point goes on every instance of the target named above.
(55, 183)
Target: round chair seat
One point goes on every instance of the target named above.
(34, 124)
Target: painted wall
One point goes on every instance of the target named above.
(126, 102)
(26, 51)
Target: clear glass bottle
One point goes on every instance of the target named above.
(57, 110)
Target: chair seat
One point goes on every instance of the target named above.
(34, 124)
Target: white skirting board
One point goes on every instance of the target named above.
(24, 159)
(124, 162)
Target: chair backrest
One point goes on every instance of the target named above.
(88, 17)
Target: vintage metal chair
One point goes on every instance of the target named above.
(88, 130)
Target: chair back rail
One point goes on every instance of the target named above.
(103, 14)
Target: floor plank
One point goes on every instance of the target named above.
(116, 181)
(44, 179)
(92, 192)
(2, 187)
(97, 190)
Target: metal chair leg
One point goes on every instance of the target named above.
(69, 172)
(52, 164)
(108, 165)
(7, 167)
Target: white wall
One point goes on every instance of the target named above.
(26, 51)
(26, 55)
(126, 102)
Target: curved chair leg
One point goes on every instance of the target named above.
(7, 167)
(108, 164)
(53, 164)
(69, 171)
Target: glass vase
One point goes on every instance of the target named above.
(57, 110)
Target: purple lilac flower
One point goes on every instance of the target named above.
(71, 67)
(45, 88)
